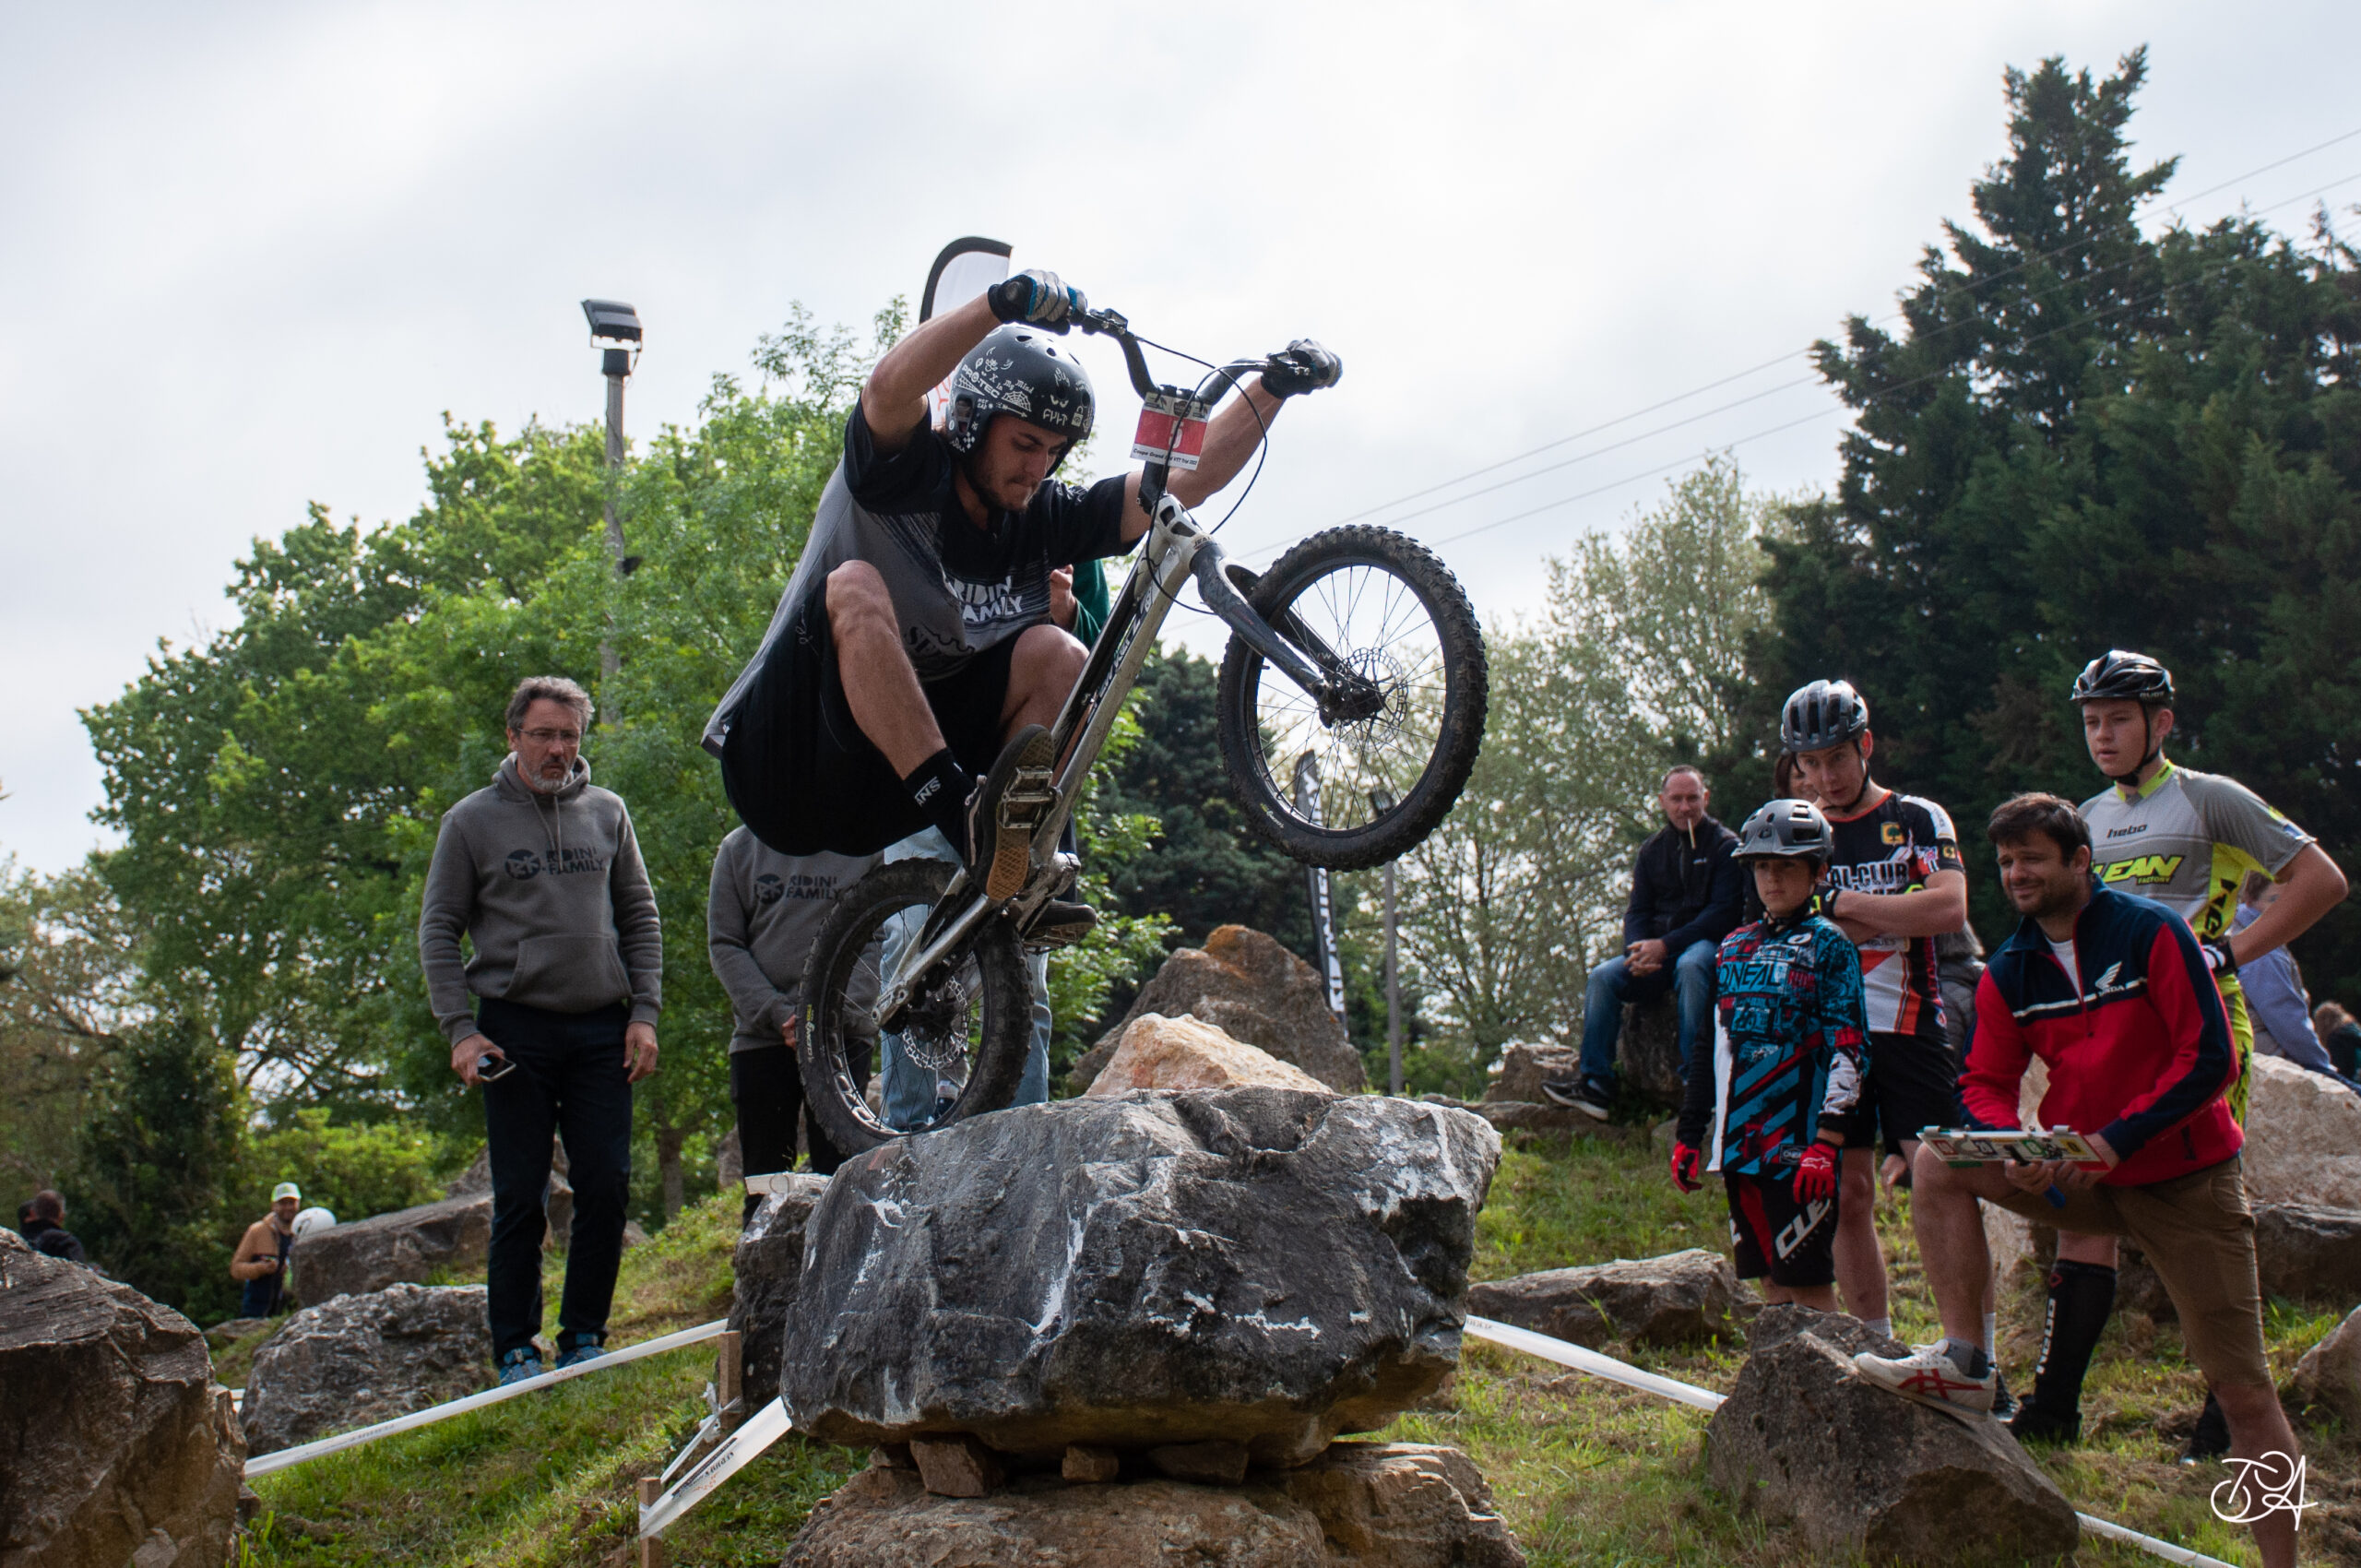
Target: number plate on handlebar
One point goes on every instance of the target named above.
(1171, 429)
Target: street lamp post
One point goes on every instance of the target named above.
(1379, 803)
(614, 330)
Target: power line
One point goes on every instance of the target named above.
(1781, 359)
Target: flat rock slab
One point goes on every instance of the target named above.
(768, 1268)
(1370, 1505)
(357, 1359)
(1157, 1052)
(1251, 987)
(1682, 1297)
(116, 1445)
(1861, 1472)
(1259, 1265)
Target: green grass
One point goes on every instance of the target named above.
(1586, 1472)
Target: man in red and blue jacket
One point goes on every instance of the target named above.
(2112, 993)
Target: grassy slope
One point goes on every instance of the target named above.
(1587, 1473)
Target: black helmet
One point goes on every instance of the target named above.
(1023, 370)
(1788, 829)
(1820, 715)
(2116, 675)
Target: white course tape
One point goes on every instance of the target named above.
(1613, 1371)
(286, 1457)
(766, 1427)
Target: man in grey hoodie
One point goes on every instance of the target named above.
(542, 871)
(761, 913)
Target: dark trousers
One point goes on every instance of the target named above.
(570, 1081)
(766, 1086)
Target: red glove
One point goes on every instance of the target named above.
(1816, 1174)
(1684, 1168)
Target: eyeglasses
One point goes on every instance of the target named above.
(554, 737)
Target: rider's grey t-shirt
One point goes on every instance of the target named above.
(957, 588)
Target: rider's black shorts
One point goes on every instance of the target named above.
(1773, 1233)
(803, 776)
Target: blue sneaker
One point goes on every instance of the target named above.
(579, 1354)
(518, 1365)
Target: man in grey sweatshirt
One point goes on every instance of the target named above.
(540, 870)
(764, 911)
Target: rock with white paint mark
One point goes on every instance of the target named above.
(1264, 1266)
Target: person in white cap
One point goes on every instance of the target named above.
(261, 1257)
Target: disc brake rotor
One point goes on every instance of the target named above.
(934, 1022)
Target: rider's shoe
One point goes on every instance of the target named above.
(1929, 1375)
(2212, 1438)
(1595, 1098)
(520, 1364)
(1006, 808)
(1060, 922)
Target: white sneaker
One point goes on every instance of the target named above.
(1930, 1376)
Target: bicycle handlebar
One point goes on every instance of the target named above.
(1111, 324)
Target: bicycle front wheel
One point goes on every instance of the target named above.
(1360, 786)
(958, 1047)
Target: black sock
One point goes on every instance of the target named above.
(2080, 1297)
(940, 786)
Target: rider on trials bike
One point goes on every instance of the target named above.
(911, 669)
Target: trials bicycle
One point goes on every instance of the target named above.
(1351, 705)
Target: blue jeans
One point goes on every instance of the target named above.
(911, 1089)
(1612, 984)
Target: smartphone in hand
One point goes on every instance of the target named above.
(491, 1069)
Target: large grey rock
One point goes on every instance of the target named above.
(768, 1267)
(1262, 1265)
(1803, 1440)
(2330, 1373)
(357, 1359)
(1647, 1057)
(1679, 1298)
(414, 1244)
(116, 1445)
(2309, 1252)
(1248, 987)
(2303, 1137)
(1370, 1505)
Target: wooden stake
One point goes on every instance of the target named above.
(727, 1381)
(651, 1550)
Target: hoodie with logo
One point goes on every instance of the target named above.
(551, 889)
(761, 916)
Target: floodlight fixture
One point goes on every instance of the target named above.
(614, 328)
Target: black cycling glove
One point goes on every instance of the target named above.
(1037, 299)
(1302, 366)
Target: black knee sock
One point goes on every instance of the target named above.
(941, 788)
(2080, 1297)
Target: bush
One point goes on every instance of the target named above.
(356, 1170)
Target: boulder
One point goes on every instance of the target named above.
(769, 1264)
(2330, 1373)
(1647, 1057)
(2303, 1137)
(1860, 1472)
(228, 1331)
(1157, 1052)
(1366, 1504)
(116, 1445)
(730, 1160)
(1679, 1298)
(1525, 1068)
(2309, 1252)
(361, 1359)
(1268, 1267)
(1252, 988)
(414, 1244)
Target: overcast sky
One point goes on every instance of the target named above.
(251, 254)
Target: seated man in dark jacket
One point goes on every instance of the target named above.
(1685, 899)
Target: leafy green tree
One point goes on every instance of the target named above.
(71, 986)
(2088, 435)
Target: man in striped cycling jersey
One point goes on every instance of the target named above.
(2185, 839)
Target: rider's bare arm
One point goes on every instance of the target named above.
(1231, 438)
(1932, 910)
(2309, 887)
(893, 400)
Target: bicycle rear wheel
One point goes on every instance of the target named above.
(969, 1025)
(1378, 776)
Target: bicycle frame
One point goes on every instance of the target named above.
(1175, 550)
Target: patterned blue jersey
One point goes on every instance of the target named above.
(1790, 1046)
